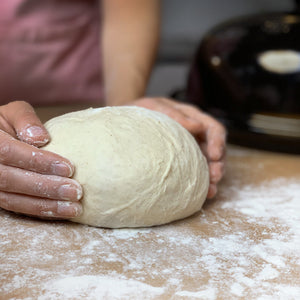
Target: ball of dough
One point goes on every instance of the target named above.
(137, 167)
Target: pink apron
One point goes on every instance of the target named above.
(50, 51)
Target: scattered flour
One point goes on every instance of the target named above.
(244, 245)
(99, 287)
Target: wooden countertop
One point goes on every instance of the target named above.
(244, 244)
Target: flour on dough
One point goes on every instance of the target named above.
(137, 167)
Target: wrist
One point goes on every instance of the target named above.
(124, 90)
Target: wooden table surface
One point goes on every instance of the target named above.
(244, 244)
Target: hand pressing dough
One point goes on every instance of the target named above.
(137, 167)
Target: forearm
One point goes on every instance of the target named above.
(129, 44)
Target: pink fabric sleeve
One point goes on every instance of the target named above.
(50, 51)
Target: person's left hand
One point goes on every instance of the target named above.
(209, 133)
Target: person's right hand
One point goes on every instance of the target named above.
(33, 181)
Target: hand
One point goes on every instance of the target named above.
(209, 133)
(33, 181)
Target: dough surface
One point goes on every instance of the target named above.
(137, 167)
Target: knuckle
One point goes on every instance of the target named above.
(42, 189)
(18, 103)
(146, 101)
(222, 127)
(219, 126)
(4, 201)
(4, 178)
(37, 161)
(5, 150)
(41, 205)
(20, 107)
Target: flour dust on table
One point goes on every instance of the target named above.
(244, 247)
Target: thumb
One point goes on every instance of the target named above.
(28, 127)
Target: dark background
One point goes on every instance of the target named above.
(184, 24)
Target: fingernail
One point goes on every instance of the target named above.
(68, 209)
(70, 192)
(34, 131)
(37, 135)
(34, 135)
(62, 169)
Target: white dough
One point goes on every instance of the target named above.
(137, 167)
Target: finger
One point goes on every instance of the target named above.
(216, 141)
(203, 147)
(212, 191)
(216, 171)
(44, 186)
(194, 127)
(178, 113)
(29, 129)
(39, 207)
(215, 136)
(24, 156)
(215, 131)
(6, 127)
(168, 108)
(194, 115)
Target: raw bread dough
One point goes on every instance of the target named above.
(137, 167)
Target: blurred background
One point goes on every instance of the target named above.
(184, 23)
(245, 62)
